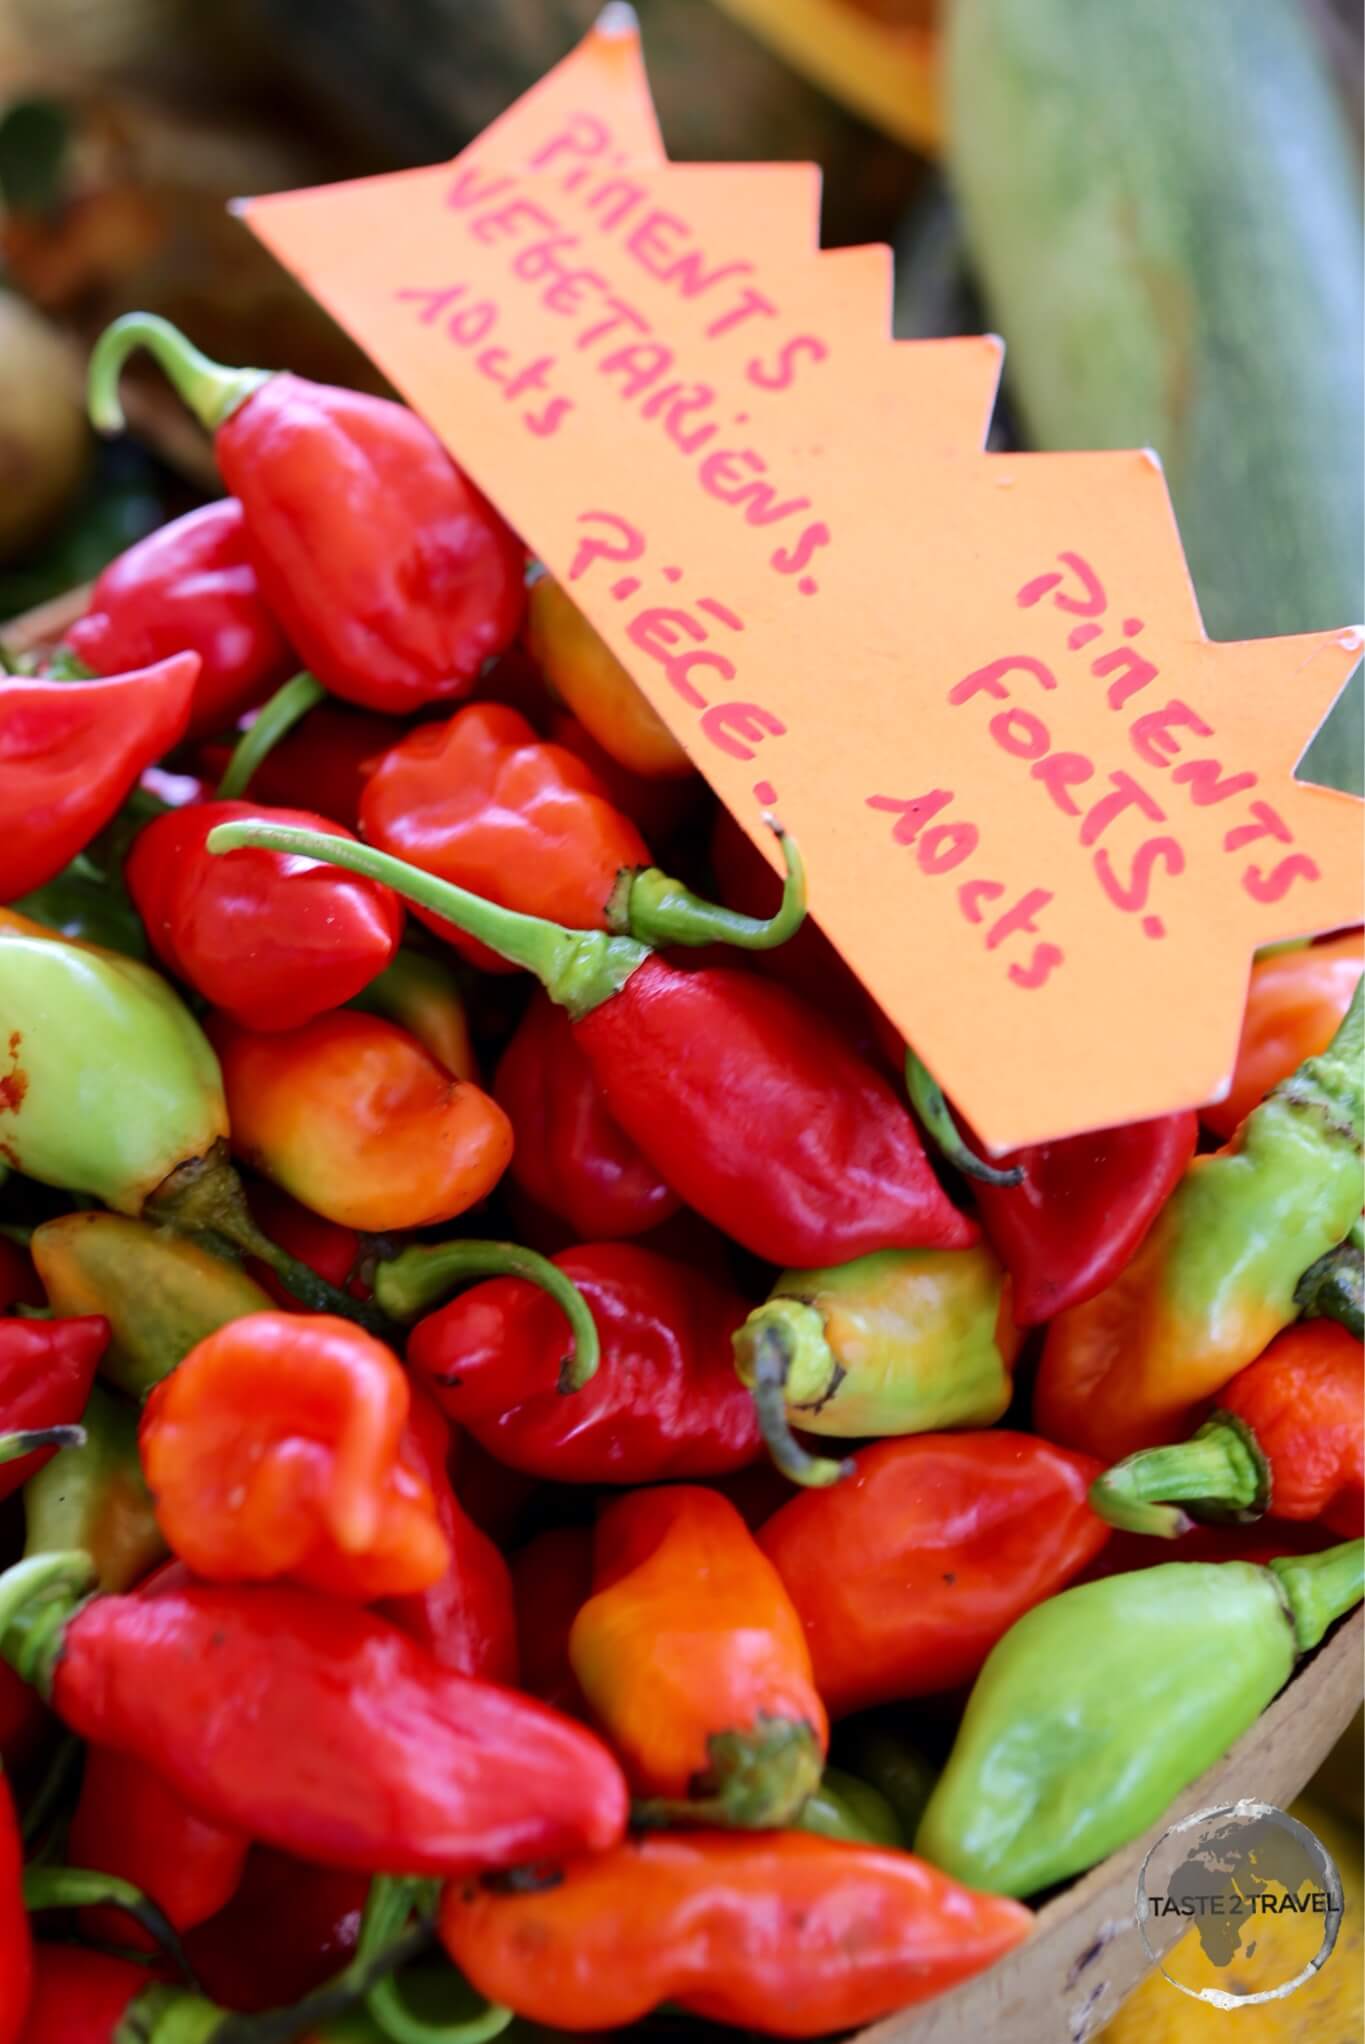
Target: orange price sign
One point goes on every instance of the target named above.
(1046, 820)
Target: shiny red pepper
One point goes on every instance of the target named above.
(907, 1573)
(393, 578)
(481, 801)
(286, 1930)
(189, 587)
(312, 1725)
(271, 941)
(46, 1370)
(16, 1943)
(322, 763)
(1082, 1209)
(570, 1156)
(466, 1620)
(70, 751)
(552, 1581)
(664, 1403)
(130, 1823)
(1287, 1440)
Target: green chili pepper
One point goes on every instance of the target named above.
(905, 1341)
(160, 1292)
(1099, 1706)
(1333, 1288)
(94, 1498)
(844, 1807)
(901, 1774)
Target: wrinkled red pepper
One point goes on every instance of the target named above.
(46, 1370)
(269, 940)
(466, 1620)
(70, 751)
(128, 1822)
(1082, 1209)
(16, 1942)
(188, 587)
(664, 1402)
(393, 578)
(570, 1156)
(481, 801)
(312, 1725)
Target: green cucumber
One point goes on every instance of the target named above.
(1161, 199)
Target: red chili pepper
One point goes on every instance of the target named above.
(481, 801)
(271, 941)
(552, 1581)
(908, 1572)
(46, 1370)
(188, 587)
(322, 763)
(312, 1725)
(277, 1450)
(79, 1996)
(1287, 1439)
(1082, 1209)
(664, 1402)
(130, 1823)
(288, 1928)
(570, 1156)
(786, 1933)
(16, 1942)
(70, 751)
(393, 577)
(691, 1655)
(466, 1620)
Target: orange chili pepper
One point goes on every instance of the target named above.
(1295, 1002)
(354, 1118)
(791, 1934)
(583, 671)
(277, 1450)
(481, 801)
(695, 1664)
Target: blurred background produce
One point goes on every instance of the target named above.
(1157, 203)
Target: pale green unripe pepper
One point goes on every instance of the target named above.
(1099, 1706)
(904, 1341)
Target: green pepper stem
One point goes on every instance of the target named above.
(768, 1361)
(410, 1283)
(38, 1599)
(172, 2015)
(1318, 1588)
(9, 662)
(48, 1887)
(212, 391)
(273, 721)
(927, 1099)
(579, 969)
(30, 1440)
(205, 1196)
(1333, 1288)
(1221, 1471)
(386, 2004)
(646, 904)
(755, 1780)
(1333, 1084)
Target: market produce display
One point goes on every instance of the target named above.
(548, 1478)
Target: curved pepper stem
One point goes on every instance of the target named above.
(406, 1286)
(756, 1781)
(211, 390)
(646, 904)
(274, 720)
(927, 1099)
(766, 1350)
(30, 1440)
(205, 1197)
(1221, 1472)
(579, 969)
(47, 1887)
(38, 1599)
(390, 1905)
(1318, 1588)
(1333, 1288)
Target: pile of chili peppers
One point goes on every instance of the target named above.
(543, 1476)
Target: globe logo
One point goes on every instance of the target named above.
(1255, 1895)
